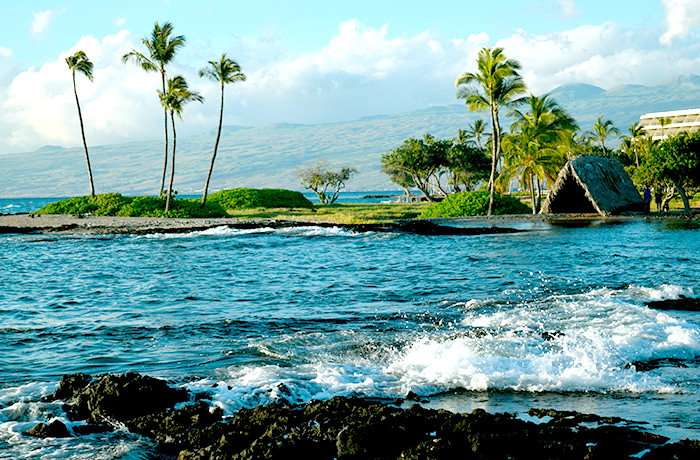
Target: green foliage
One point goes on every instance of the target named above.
(475, 204)
(248, 198)
(107, 204)
(114, 204)
(319, 177)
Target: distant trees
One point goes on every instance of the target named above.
(422, 163)
(674, 161)
(177, 94)
(80, 63)
(162, 47)
(325, 181)
(496, 84)
(224, 71)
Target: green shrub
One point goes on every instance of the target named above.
(247, 198)
(475, 204)
(114, 204)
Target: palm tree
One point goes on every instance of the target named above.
(162, 48)
(79, 62)
(496, 84)
(532, 148)
(173, 99)
(223, 71)
(602, 129)
(629, 143)
(476, 130)
(663, 122)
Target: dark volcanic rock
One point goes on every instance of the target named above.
(118, 397)
(55, 429)
(346, 428)
(682, 303)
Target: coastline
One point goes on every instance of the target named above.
(72, 224)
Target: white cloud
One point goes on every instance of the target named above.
(568, 8)
(41, 22)
(361, 71)
(39, 107)
(681, 16)
(119, 22)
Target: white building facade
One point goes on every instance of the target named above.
(661, 125)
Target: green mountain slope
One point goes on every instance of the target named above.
(267, 156)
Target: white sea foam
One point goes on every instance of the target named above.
(316, 231)
(304, 231)
(568, 343)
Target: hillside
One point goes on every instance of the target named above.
(267, 156)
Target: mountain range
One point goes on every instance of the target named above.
(268, 156)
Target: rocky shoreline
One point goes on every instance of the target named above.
(187, 426)
(72, 224)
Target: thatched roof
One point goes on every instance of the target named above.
(590, 184)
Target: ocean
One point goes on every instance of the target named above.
(551, 317)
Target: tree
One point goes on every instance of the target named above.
(177, 94)
(162, 48)
(224, 71)
(476, 130)
(663, 122)
(496, 84)
(630, 143)
(319, 177)
(469, 165)
(417, 163)
(531, 151)
(80, 63)
(677, 159)
(602, 129)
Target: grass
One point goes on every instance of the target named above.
(340, 213)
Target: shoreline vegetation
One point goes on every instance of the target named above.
(246, 208)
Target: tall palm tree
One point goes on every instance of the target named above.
(532, 148)
(162, 47)
(224, 71)
(602, 129)
(79, 62)
(496, 84)
(177, 94)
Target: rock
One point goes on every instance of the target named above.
(55, 429)
(345, 428)
(70, 386)
(682, 303)
(681, 450)
(116, 397)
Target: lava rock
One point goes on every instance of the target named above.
(682, 303)
(117, 397)
(347, 428)
(55, 429)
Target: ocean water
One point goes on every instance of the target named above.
(552, 317)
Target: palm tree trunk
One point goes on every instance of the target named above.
(216, 147)
(172, 165)
(165, 125)
(495, 141)
(82, 132)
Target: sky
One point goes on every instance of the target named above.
(312, 61)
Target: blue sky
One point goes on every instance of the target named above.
(313, 61)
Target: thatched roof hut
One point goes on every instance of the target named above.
(590, 184)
